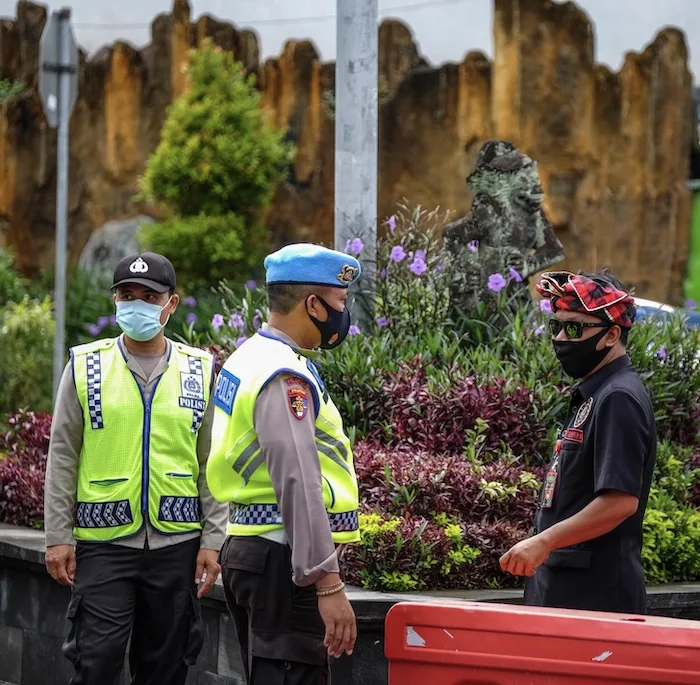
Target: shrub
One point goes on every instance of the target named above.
(215, 169)
(12, 286)
(217, 154)
(22, 470)
(26, 360)
(206, 249)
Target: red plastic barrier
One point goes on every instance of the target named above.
(495, 644)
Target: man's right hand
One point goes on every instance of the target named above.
(341, 628)
(60, 563)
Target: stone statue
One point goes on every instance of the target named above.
(506, 235)
(111, 243)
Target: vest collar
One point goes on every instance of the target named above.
(133, 365)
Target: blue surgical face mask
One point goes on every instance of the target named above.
(139, 320)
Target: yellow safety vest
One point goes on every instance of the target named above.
(139, 458)
(236, 470)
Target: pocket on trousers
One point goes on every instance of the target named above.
(195, 635)
(246, 554)
(70, 647)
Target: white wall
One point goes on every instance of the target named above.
(445, 29)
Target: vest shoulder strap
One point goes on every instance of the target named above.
(192, 351)
(94, 346)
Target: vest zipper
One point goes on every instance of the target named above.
(146, 443)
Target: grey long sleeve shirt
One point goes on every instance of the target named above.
(64, 455)
(291, 455)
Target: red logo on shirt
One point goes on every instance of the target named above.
(573, 434)
(298, 402)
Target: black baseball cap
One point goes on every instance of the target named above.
(146, 268)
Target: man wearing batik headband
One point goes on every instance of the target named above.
(586, 550)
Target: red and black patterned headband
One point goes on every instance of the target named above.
(576, 293)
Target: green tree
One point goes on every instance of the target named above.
(215, 169)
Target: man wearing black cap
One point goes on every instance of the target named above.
(126, 480)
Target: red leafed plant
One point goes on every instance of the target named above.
(437, 421)
(23, 451)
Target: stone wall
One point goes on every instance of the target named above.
(614, 148)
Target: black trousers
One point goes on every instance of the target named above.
(118, 590)
(280, 631)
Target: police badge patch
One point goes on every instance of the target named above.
(584, 411)
(191, 386)
(298, 402)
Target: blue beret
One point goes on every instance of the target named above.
(307, 263)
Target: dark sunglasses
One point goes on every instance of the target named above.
(572, 329)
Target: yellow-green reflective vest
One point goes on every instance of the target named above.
(139, 458)
(236, 470)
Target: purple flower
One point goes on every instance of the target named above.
(191, 319)
(398, 254)
(539, 330)
(496, 283)
(94, 329)
(514, 275)
(546, 306)
(418, 266)
(113, 320)
(190, 302)
(661, 353)
(353, 330)
(236, 321)
(382, 274)
(103, 321)
(473, 246)
(392, 223)
(241, 340)
(691, 305)
(251, 285)
(440, 267)
(420, 254)
(382, 322)
(217, 322)
(354, 246)
(257, 319)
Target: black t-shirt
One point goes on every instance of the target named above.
(608, 443)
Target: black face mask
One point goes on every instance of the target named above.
(578, 359)
(335, 328)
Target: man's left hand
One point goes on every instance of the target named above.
(207, 567)
(522, 559)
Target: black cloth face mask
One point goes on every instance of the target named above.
(335, 328)
(579, 358)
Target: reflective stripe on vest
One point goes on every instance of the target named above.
(270, 514)
(138, 458)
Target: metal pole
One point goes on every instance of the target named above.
(356, 80)
(62, 196)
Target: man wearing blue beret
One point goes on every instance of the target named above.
(281, 459)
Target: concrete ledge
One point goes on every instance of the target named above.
(32, 621)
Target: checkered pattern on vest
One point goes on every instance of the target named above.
(196, 370)
(270, 515)
(94, 383)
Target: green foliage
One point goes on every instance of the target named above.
(216, 154)
(26, 362)
(208, 249)
(10, 89)
(12, 286)
(401, 555)
(216, 168)
(671, 551)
